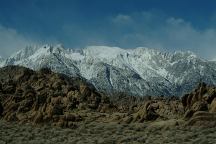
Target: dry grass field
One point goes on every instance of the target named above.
(106, 133)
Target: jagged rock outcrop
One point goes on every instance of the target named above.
(155, 108)
(203, 119)
(45, 97)
(200, 106)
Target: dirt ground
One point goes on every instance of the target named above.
(106, 133)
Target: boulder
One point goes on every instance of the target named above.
(212, 107)
(1, 109)
(203, 119)
(146, 113)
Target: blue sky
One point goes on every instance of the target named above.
(169, 25)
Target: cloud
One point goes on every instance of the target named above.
(11, 41)
(153, 29)
(165, 32)
(121, 19)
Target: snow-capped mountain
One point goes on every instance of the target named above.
(139, 71)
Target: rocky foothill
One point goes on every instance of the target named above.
(45, 97)
(51, 99)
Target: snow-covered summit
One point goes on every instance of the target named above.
(103, 52)
(140, 71)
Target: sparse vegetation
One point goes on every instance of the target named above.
(105, 133)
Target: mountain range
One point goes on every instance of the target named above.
(139, 72)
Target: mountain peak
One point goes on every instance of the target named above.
(185, 53)
(24, 53)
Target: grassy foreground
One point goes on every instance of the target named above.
(106, 133)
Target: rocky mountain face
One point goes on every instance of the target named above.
(138, 72)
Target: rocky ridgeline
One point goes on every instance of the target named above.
(45, 97)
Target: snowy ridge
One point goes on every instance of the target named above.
(140, 71)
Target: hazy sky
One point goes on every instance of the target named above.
(163, 24)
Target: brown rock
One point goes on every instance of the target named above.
(1, 109)
(85, 90)
(198, 100)
(22, 116)
(9, 89)
(128, 119)
(0, 87)
(199, 106)
(38, 118)
(57, 110)
(212, 107)
(203, 119)
(146, 113)
(188, 114)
